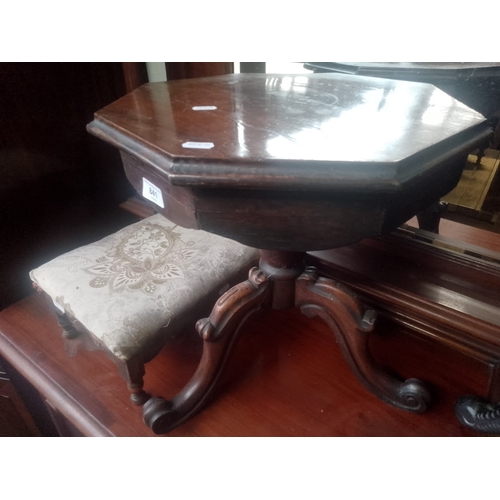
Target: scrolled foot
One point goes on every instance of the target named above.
(478, 414)
(158, 415)
(351, 323)
(414, 396)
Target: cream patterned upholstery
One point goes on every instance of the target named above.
(124, 288)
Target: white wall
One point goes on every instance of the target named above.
(156, 71)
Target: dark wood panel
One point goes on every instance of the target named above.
(56, 181)
(135, 74)
(182, 70)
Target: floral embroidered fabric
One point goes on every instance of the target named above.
(127, 286)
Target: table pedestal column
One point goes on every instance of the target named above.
(281, 282)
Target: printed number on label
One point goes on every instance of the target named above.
(152, 193)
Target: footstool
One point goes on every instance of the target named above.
(133, 289)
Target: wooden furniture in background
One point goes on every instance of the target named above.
(430, 285)
(267, 162)
(182, 70)
(453, 299)
(135, 74)
(60, 188)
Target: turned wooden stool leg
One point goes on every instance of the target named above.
(339, 307)
(138, 395)
(68, 330)
(133, 373)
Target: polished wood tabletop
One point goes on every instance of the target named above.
(256, 157)
(265, 127)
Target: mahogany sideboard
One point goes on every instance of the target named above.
(437, 321)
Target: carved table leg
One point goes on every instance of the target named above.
(478, 414)
(341, 310)
(219, 332)
(281, 283)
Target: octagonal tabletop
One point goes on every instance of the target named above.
(318, 133)
(319, 123)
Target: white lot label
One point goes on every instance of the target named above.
(204, 108)
(152, 193)
(198, 145)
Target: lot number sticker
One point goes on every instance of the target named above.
(152, 193)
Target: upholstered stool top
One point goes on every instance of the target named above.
(127, 286)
